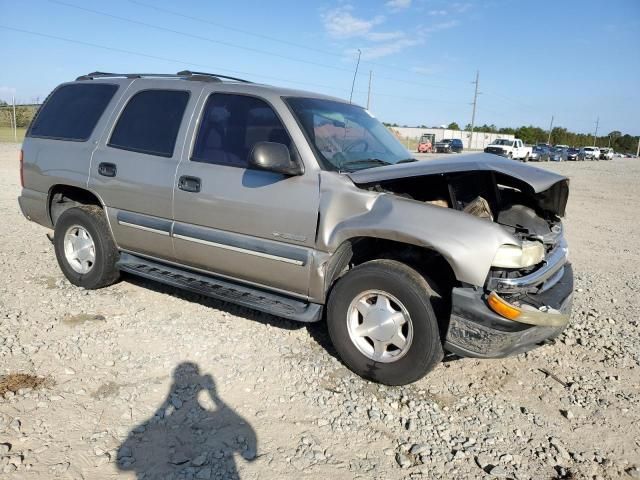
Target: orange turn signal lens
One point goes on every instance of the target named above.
(503, 308)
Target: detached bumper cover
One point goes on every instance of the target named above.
(476, 331)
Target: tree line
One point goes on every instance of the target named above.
(24, 114)
(559, 136)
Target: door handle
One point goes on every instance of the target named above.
(189, 184)
(107, 169)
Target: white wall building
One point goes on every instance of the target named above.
(480, 139)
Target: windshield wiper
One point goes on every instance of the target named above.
(365, 161)
(407, 160)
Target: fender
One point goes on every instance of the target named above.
(468, 243)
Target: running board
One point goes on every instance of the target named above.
(251, 297)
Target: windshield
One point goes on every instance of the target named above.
(502, 141)
(347, 137)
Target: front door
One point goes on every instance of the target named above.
(134, 166)
(251, 225)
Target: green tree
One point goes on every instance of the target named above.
(453, 126)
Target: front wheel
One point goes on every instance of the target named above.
(84, 247)
(382, 323)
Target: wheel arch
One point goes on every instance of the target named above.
(62, 197)
(430, 263)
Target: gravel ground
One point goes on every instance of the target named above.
(144, 381)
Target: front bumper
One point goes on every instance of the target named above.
(477, 331)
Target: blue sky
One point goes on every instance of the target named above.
(576, 60)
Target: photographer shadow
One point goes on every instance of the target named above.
(193, 434)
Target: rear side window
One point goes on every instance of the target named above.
(150, 122)
(231, 125)
(72, 111)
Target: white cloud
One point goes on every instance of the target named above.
(436, 27)
(384, 49)
(461, 7)
(383, 36)
(340, 23)
(435, 13)
(398, 4)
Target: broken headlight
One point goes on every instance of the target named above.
(513, 256)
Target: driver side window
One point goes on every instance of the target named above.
(231, 125)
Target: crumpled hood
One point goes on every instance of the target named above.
(550, 189)
(537, 179)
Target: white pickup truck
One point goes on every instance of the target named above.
(515, 149)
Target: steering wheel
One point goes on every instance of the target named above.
(362, 142)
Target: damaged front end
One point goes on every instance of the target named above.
(527, 294)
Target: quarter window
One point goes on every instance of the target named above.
(150, 122)
(72, 111)
(231, 125)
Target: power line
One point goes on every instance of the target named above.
(198, 37)
(233, 45)
(210, 67)
(273, 39)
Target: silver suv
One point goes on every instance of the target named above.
(303, 206)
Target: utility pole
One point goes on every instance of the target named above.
(15, 121)
(595, 135)
(369, 91)
(550, 129)
(475, 103)
(354, 75)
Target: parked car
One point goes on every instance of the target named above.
(514, 149)
(303, 206)
(449, 146)
(571, 154)
(556, 154)
(606, 154)
(539, 154)
(589, 153)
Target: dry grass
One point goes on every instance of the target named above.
(15, 381)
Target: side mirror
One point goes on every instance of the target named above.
(273, 157)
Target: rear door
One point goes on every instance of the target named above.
(255, 226)
(134, 166)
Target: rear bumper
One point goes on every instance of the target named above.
(33, 205)
(476, 331)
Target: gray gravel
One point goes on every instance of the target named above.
(145, 378)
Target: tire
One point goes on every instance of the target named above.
(412, 293)
(510, 156)
(99, 272)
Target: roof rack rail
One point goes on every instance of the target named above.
(189, 73)
(92, 75)
(186, 74)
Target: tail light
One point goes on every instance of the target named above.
(21, 168)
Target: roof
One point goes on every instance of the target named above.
(239, 84)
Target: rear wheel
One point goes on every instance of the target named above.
(84, 247)
(382, 323)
